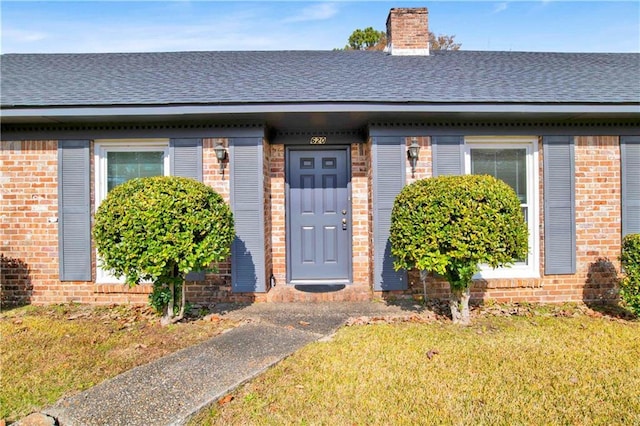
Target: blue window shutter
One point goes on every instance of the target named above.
(388, 155)
(630, 165)
(447, 155)
(246, 177)
(185, 157)
(74, 222)
(559, 205)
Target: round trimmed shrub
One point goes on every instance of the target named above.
(630, 283)
(450, 225)
(161, 228)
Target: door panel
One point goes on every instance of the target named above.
(319, 226)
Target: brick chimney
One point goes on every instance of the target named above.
(408, 31)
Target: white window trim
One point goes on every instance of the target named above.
(530, 143)
(101, 148)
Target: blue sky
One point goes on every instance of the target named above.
(186, 25)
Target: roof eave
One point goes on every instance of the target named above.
(64, 114)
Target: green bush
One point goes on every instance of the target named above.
(451, 224)
(159, 229)
(630, 284)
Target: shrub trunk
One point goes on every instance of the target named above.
(169, 316)
(459, 304)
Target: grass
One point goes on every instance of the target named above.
(50, 352)
(503, 370)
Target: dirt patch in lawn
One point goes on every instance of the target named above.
(53, 351)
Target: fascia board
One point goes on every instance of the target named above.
(196, 110)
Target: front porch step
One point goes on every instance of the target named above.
(320, 293)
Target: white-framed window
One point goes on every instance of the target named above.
(515, 161)
(117, 161)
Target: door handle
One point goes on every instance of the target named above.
(344, 224)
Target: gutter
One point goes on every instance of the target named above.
(204, 110)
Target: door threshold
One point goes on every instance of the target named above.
(318, 282)
(319, 288)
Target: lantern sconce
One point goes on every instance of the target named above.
(412, 154)
(221, 155)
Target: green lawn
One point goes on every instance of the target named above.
(51, 351)
(504, 370)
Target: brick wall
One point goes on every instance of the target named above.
(598, 214)
(424, 163)
(423, 170)
(407, 28)
(216, 285)
(598, 234)
(29, 232)
(360, 222)
(277, 253)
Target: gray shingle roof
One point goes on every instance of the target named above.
(33, 80)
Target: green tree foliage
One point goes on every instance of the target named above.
(630, 284)
(450, 225)
(160, 229)
(367, 39)
(371, 39)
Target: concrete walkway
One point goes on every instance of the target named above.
(171, 390)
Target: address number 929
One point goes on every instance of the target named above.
(318, 140)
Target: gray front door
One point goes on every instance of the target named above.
(318, 216)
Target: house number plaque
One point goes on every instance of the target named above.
(318, 140)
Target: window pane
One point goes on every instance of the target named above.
(122, 166)
(510, 165)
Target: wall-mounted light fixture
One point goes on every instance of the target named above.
(412, 154)
(221, 155)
